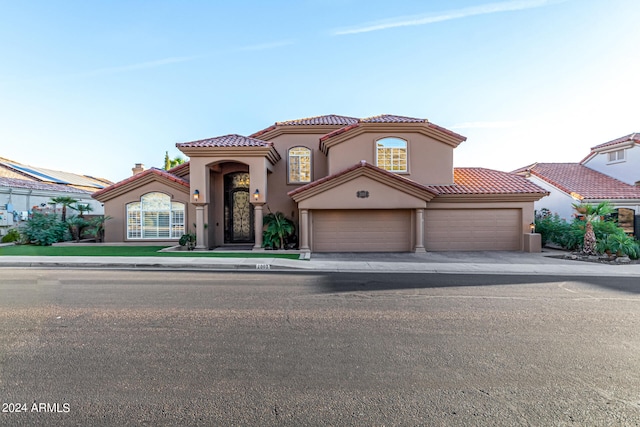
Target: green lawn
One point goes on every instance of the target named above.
(30, 250)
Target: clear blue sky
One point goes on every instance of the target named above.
(94, 87)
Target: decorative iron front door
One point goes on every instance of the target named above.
(238, 209)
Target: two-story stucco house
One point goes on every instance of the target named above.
(384, 183)
(611, 172)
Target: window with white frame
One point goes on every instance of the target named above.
(155, 216)
(616, 156)
(391, 154)
(299, 165)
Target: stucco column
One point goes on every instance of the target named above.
(257, 226)
(304, 230)
(200, 227)
(419, 231)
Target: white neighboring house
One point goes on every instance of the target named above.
(618, 159)
(611, 172)
(24, 189)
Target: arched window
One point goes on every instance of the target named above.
(391, 154)
(299, 165)
(155, 216)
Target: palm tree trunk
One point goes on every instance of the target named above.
(589, 244)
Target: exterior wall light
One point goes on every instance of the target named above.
(196, 195)
(532, 226)
(256, 195)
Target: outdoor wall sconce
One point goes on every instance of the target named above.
(196, 195)
(532, 226)
(256, 195)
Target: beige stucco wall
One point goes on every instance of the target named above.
(115, 228)
(278, 181)
(344, 196)
(430, 161)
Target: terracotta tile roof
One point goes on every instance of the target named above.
(487, 181)
(178, 168)
(390, 118)
(151, 171)
(361, 164)
(331, 119)
(584, 182)
(631, 137)
(36, 185)
(232, 140)
(467, 181)
(328, 120)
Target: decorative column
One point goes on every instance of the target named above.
(200, 227)
(304, 230)
(257, 226)
(419, 231)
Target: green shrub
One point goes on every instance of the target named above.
(13, 235)
(45, 229)
(619, 244)
(552, 229)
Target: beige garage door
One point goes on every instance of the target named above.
(361, 230)
(473, 230)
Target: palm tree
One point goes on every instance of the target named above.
(591, 213)
(82, 208)
(277, 228)
(171, 163)
(65, 201)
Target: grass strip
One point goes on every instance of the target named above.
(129, 251)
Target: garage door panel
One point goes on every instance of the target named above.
(361, 230)
(473, 229)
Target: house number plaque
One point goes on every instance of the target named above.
(362, 194)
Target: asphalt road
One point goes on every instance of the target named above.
(265, 348)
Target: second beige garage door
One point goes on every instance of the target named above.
(361, 230)
(473, 230)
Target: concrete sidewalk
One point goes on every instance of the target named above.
(441, 262)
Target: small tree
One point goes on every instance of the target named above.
(172, 163)
(65, 201)
(96, 226)
(591, 213)
(82, 208)
(77, 225)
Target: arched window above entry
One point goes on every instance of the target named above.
(155, 216)
(391, 154)
(299, 165)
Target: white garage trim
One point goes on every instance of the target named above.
(473, 229)
(344, 230)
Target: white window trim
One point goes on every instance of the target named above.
(406, 150)
(618, 159)
(176, 229)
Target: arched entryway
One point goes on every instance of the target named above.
(238, 210)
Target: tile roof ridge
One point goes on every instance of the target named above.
(152, 170)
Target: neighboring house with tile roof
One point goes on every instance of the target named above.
(383, 183)
(611, 172)
(24, 188)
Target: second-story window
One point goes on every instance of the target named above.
(616, 156)
(299, 165)
(391, 154)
